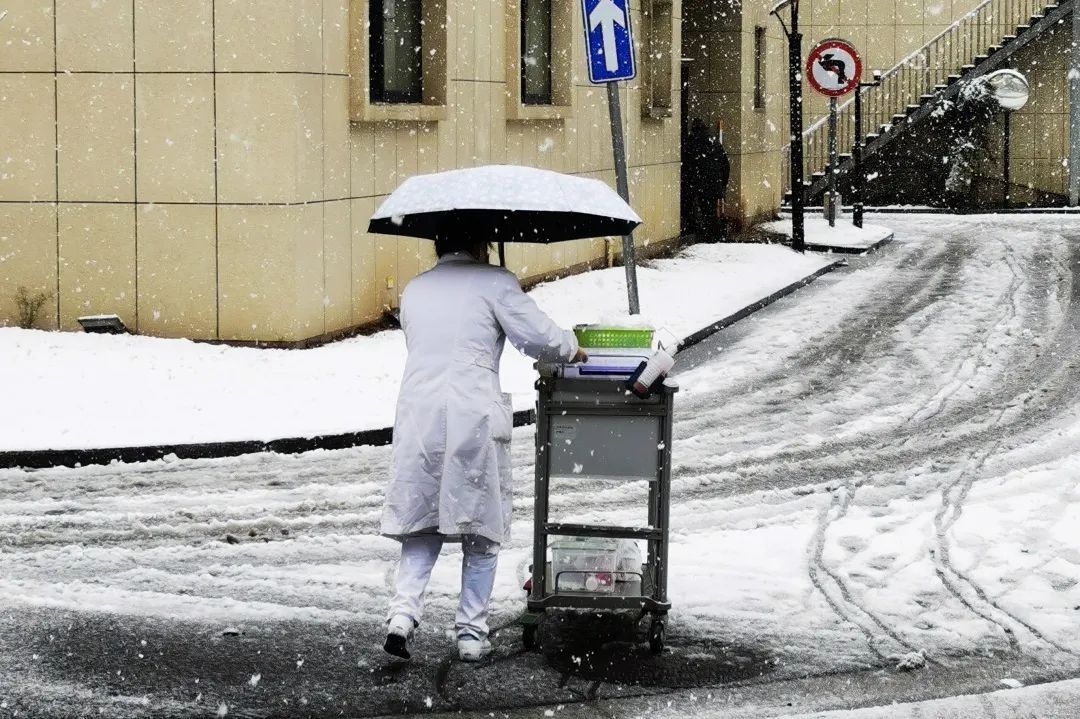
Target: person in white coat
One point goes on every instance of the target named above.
(451, 459)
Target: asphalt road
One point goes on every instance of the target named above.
(954, 361)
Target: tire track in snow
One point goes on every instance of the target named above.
(823, 359)
(891, 446)
(951, 507)
(834, 589)
(838, 361)
(956, 581)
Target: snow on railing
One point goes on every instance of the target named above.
(916, 76)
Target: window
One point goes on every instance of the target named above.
(536, 52)
(759, 68)
(657, 67)
(397, 60)
(395, 51)
(539, 51)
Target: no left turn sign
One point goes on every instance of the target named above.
(833, 67)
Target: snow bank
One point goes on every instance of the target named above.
(845, 236)
(77, 391)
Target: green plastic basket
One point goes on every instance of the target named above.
(613, 337)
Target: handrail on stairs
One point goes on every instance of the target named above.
(909, 83)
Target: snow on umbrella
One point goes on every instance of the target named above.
(504, 203)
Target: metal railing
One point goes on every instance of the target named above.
(917, 76)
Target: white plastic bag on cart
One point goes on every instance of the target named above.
(628, 561)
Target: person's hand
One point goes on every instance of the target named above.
(580, 356)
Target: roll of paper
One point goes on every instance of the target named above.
(659, 364)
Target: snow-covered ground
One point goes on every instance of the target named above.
(76, 391)
(1059, 700)
(875, 480)
(844, 236)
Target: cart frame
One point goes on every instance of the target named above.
(583, 398)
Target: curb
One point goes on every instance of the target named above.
(814, 247)
(782, 239)
(46, 458)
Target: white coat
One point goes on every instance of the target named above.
(453, 424)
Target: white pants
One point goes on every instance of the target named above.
(418, 555)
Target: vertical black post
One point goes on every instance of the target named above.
(859, 185)
(1006, 160)
(798, 190)
(834, 165)
(618, 147)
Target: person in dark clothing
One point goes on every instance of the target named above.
(706, 171)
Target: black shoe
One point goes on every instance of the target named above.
(398, 636)
(397, 645)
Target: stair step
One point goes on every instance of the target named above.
(912, 108)
(872, 136)
(1021, 29)
(1007, 39)
(929, 96)
(953, 78)
(979, 59)
(899, 118)
(845, 156)
(966, 68)
(817, 175)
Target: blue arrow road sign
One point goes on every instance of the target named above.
(608, 40)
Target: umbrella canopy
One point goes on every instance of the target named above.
(504, 203)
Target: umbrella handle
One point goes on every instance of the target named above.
(502, 254)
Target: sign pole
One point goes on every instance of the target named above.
(833, 157)
(618, 147)
(795, 99)
(609, 49)
(1005, 159)
(834, 68)
(860, 174)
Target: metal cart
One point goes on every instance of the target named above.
(589, 429)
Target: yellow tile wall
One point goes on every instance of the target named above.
(96, 245)
(1040, 131)
(177, 270)
(28, 141)
(28, 259)
(26, 36)
(192, 166)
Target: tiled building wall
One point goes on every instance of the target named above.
(1039, 142)
(480, 129)
(191, 165)
(169, 162)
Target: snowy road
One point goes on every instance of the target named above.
(881, 470)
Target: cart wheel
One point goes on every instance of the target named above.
(657, 635)
(529, 635)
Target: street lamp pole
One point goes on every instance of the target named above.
(798, 189)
